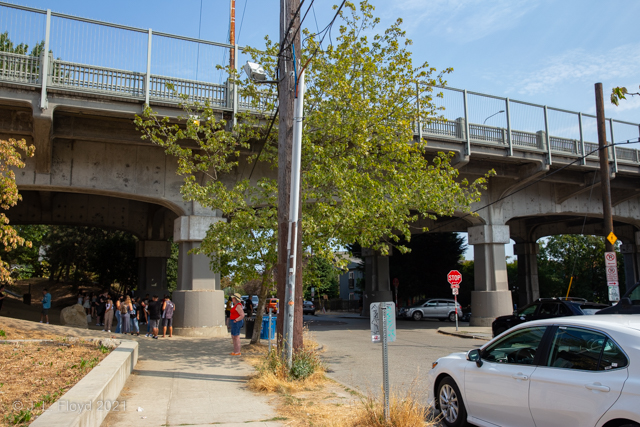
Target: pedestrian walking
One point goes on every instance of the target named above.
(155, 314)
(108, 315)
(168, 308)
(46, 305)
(237, 321)
(250, 306)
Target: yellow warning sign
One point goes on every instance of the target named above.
(612, 238)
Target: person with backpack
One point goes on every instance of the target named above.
(155, 314)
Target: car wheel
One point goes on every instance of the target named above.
(417, 315)
(452, 317)
(454, 414)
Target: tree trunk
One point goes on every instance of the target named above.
(262, 300)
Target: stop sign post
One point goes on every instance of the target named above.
(455, 278)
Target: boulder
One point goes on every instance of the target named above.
(74, 316)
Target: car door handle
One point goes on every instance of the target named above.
(520, 376)
(597, 387)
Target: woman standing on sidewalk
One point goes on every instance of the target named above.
(125, 310)
(108, 315)
(236, 317)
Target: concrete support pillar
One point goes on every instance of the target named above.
(376, 278)
(199, 299)
(152, 267)
(528, 288)
(491, 297)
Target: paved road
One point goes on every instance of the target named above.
(355, 361)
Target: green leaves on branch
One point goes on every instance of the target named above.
(618, 93)
(364, 178)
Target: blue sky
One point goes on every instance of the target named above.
(542, 51)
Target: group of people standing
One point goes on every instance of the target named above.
(131, 312)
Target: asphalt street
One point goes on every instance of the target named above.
(355, 361)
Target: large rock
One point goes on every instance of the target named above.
(74, 316)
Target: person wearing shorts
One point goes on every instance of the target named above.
(236, 317)
(155, 314)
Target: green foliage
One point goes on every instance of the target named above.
(557, 258)
(3, 334)
(21, 418)
(618, 93)
(6, 45)
(304, 363)
(322, 275)
(172, 267)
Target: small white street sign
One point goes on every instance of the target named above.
(376, 325)
(454, 291)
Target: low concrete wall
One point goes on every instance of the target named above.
(93, 397)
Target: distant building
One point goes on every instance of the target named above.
(349, 281)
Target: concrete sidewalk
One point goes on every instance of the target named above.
(474, 332)
(190, 381)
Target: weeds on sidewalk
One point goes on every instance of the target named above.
(307, 370)
(306, 397)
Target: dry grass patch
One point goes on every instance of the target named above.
(36, 374)
(309, 398)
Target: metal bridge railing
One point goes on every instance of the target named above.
(115, 60)
(17, 68)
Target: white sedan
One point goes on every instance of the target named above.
(568, 372)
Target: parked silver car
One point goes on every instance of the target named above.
(436, 308)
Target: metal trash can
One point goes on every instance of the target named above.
(249, 323)
(265, 327)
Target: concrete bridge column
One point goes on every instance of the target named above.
(491, 297)
(152, 267)
(377, 286)
(528, 289)
(199, 299)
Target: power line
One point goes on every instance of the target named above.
(242, 20)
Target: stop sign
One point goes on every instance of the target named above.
(454, 278)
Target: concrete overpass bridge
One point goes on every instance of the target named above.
(92, 168)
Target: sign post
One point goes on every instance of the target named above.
(396, 282)
(455, 278)
(383, 329)
(611, 267)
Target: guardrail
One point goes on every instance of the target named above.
(117, 61)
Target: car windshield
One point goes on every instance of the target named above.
(634, 294)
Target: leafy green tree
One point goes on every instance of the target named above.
(322, 275)
(25, 260)
(364, 178)
(10, 159)
(580, 256)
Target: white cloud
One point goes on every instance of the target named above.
(462, 21)
(579, 65)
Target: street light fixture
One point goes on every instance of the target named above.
(484, 130)
(485, 120)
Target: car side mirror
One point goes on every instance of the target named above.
(474, 356)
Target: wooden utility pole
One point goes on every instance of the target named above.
(232, 35)
(288, 9)
(604, 168)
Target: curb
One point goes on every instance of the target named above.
(89, 401)
(467, 336)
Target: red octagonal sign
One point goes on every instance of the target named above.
(454, 278)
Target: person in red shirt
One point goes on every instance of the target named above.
(236, 317)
